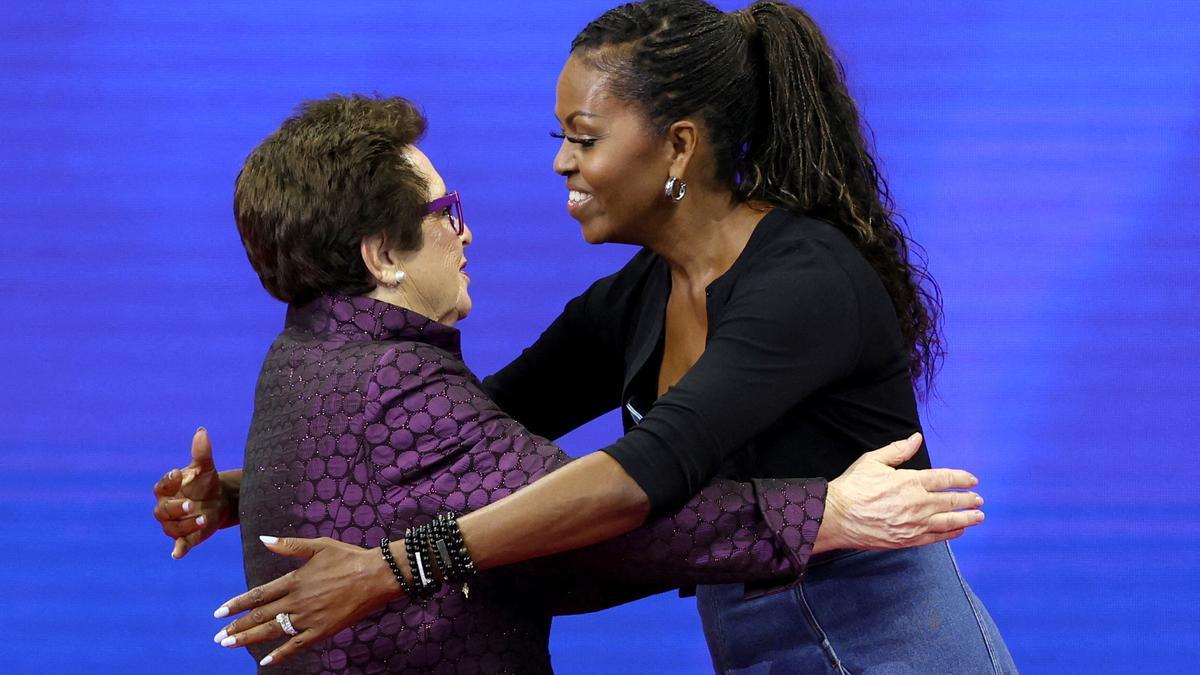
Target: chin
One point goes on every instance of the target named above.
(594, 234)
(464, 308)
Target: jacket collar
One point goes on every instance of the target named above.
(362, 318)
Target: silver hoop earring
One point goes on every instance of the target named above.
(675, 189)
(399, 278)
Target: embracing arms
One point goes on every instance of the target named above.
(871, 506)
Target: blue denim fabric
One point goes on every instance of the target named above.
(864, 613)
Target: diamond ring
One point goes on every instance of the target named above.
(285, 622)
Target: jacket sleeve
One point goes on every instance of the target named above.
(762, 531)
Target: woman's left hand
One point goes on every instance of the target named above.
(337, 586)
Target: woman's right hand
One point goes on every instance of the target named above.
(191, 503)
(874, 505)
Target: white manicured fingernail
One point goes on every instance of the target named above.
(229, 641)
(220, 636)
(221, 613)
(187, 507)
(268, 540)
(201, 521)
(266, 661)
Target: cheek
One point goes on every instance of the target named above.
(627, 180)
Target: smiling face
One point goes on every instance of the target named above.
(435, 282)
(614, 163)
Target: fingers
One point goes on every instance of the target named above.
(202, 451)
(173, 509)
(294, 547)
(897, 453)
(955, 501)
(258, 626)
(291, 647)
(936, 480)
(184, 526)
(955, 520)
(254, 598)
(169, 484)
(188, 542)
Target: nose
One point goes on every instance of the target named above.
(466, 237)
(564, 160)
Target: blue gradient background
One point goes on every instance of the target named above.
(1046, 155)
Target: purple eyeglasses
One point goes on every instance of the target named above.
(451, 207)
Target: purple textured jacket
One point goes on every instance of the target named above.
(367, 421)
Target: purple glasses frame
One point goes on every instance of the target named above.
(453, 205)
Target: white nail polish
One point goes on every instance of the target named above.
(268, 540)
(266, 661)
(187, 507)
(221, 613)
(229, 641)
(220, 636)
(201, 521)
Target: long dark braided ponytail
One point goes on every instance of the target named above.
(783, 127)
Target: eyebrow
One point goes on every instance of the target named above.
(578, 113)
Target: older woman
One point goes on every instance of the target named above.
(367, 422)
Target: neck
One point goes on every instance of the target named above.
(704, 236)
(412, 301)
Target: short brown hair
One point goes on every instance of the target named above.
(331, 175)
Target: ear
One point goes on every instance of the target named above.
(377, 256)
(682, 139)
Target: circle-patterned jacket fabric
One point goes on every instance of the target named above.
(367, 421)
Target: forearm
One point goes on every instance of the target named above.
(729, 532)
(590, 500)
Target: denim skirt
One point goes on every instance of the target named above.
(859, 612)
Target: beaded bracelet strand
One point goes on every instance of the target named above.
(385, 546)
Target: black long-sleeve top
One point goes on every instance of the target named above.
(804, 367)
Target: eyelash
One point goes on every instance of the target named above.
(585, 142)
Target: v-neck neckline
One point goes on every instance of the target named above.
(651, 348)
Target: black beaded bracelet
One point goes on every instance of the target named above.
(385, 546)
(426, 557)
(416, 542)
(446, 562)
(464, 566)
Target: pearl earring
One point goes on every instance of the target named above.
(399, 278)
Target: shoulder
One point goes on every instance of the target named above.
(790, 254)
(794, 253)
(411, 364)
(798, 241)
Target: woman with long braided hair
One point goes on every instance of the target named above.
(772, 325)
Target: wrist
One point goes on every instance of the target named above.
(831, 536)
(379, 572)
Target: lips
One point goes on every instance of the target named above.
(577, 200)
